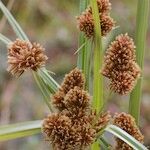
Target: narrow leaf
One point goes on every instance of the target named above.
(4, 39)
(19, 130)
(84, 51)
(16, 27)
(46, 93)
(49, 81)
(124, 136)
(141, 30)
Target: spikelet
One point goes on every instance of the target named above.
(102, 121)
(23, 55)
(74, 78)
(86, 22)
(58, 129)
(120, 65)
(104, 7)
(107, 24)
(122, 83)
(127, 123)
(58, 100)
(77, 98)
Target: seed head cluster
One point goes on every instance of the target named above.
(22, 55)
(74, 126)
(86, 21)
(127, 123)
(120, 65)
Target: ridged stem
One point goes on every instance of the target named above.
(84, 53)
(98, 59)
(141, 30)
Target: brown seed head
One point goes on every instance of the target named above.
(107, 23)
(86, 24)
(102, 121)
(23, 55)
(122, 82)
(60, 132)
(120, 66)
(127, 123)
(74, 78)
(77, 99)
(87, 134)
(58, 100)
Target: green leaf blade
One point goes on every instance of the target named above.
(16, 27)
(141, 31)
(4, 39)
(98, 59)
(19, 130)
(124, 136)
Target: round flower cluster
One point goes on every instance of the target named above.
(120, 65)
(23, 55)
(74, 126)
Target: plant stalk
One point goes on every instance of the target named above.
(98, 59)
(84, 53)
(141, 30)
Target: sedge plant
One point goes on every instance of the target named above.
(77, 118)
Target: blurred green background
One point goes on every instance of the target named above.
(52, 23)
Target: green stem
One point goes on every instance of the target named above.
(141, 29)
(98, 58)
(84, 53)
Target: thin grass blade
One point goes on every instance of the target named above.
(19, 130)
(16, 27)
(141, 30)
(4, 39)
(46, 93)
(49, 81)
(124, 136)
(83, 54)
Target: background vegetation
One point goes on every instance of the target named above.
(53, 24)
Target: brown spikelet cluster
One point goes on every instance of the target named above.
(86, 22)
(74, 79)
(22, 55)
(120, 65)
(127, 123)
(75, 126)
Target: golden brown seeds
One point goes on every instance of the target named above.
(74, 127)
(86, 24)
(120, 65)
(104, 6)
(102, 121)
(127, 123)
(74, 78)
(122, 83)
(23, 55)
(77, 98)
(58, 100)
(64, 135)
(86, 21)
(58, 129)
(107, 23)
